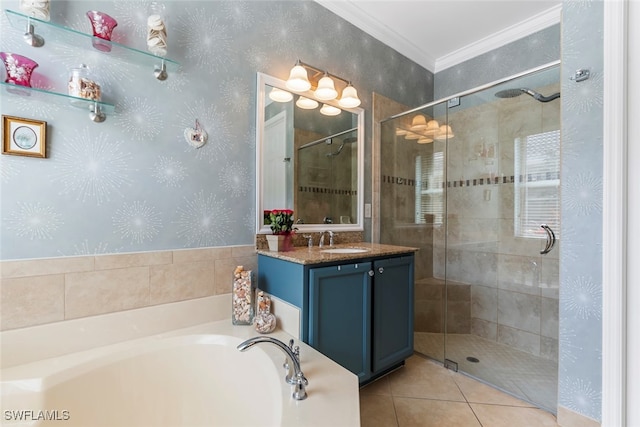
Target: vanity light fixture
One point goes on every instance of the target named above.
(326, 90)
(411, 135)
(306, 103)
(330, 110)
(280, 95)
(298, 79)
(323, 83)
(349, 97)
(445, 132)
(425, 140)
(400, 132)
(432, 127)
(419, 122)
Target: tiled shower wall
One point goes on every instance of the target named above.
(513, 289)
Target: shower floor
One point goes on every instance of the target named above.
(521, 374)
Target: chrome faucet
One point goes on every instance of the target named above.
(322, 233)
(299, 381)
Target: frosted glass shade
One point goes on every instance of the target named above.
(424, 140)
(411, 135)
(298, 79)
(326, 90)
(306, 103)
(280, 95)
(419, 122)
(445, 132)
(349, 97)
(329, 110)
(432, 128)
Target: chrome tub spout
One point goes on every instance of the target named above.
(299, 380)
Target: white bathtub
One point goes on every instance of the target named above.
(192, 380)
(165, 366)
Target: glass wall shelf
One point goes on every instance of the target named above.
(69, 36)
(97, 109)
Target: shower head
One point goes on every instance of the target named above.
(512, 93)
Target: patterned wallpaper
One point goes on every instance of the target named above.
(133, 183)
(580, 335)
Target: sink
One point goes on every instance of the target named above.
(345, 250)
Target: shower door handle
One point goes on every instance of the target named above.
(551, 239)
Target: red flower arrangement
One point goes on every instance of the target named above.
(280, 220)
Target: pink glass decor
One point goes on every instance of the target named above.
(103, 26)
(19, 68)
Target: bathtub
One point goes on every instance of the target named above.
(188, 377)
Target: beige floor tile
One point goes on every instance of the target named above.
(380, 387)
(509, 416)
(477, 392)
(377, 411)
(425, 379)
(433, 413)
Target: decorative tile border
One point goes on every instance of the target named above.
(548, 176)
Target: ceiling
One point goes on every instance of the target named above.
(438, 34)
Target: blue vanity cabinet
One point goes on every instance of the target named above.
(340, 315)
(357, 312)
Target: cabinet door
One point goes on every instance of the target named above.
(392, 311)
(339, 315)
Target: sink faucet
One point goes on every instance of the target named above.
(299, 380)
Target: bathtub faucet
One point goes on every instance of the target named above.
(300, 382)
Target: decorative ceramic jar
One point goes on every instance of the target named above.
(103, 26)
(242, 297)
(38, 9)
(19, 68)
(265, 321)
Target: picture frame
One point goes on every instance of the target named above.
(24, 137)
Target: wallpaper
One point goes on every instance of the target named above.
(133, 183)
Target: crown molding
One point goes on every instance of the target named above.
(510, 34)
(356, 15)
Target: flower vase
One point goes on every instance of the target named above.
(276, 242)
(19, 69)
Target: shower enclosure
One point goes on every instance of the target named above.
(474, 182)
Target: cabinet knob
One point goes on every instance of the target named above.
(381, 270)
(371, 273)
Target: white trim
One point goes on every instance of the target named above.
(633, 211)
(358, 16)
(515, 32)
(614, 227)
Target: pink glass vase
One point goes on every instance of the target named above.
(103, 26)
(19, 68)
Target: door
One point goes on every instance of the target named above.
(339, 313)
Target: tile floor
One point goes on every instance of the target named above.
(423, 394)
(522, 374)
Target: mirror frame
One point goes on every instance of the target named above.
(264, 79)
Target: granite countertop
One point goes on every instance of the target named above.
(314, 255)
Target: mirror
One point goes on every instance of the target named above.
(307, 161)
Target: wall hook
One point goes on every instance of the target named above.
(581, 75)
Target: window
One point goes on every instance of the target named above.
(537, 184)
(429, 188)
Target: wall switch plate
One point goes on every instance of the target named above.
(367, 210)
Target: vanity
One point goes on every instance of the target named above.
(355, 301)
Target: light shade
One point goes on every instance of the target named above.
(326, 90)
(445, 132)
(411, 135)
(425, 140)
(298, 79)
(432, 128)
(349, 97)
(330, 110)
(400, 132)
(280, 95)
(419, 122)
(306, 103)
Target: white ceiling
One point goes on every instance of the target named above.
(438, 34)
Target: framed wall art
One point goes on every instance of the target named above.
(24, 137)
